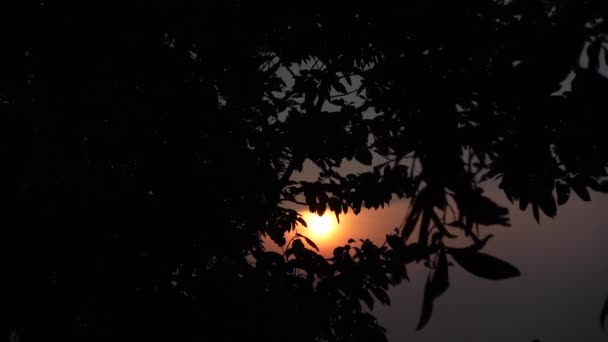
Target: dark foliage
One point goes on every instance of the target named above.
(154, 144)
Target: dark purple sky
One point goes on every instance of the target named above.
(558, 297)
(564, 281)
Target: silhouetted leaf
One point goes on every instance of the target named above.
(535, 212)
(580, 189)
(440, 277)
(593, 53)
(483, 265)
(563, 193)
(410, 222)
(427, 304)
(437, 283)
(367, 298)
(395, 242)
(604, 183)
(338, 86)
(297, 246)
(381, 295)
(302, 221)
(604, 313)
(423, 229)
(523, 203)
(309, 241)
(593, 184)
(364, 156)
(547, 204)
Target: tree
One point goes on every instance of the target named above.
(156, 145)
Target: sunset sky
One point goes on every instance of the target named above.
(558, 297)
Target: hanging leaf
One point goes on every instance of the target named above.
(423, 233)
(381, 295)
(427, 305)
(435, 286)
(535, 212)
(311, 243)
(547, 204)
(440, 277)
(581, 191)
(301, 221)
(367, 298)
(410, 222)
(484, 265)
(523, 204)
(604, 313)
(563, 193)
(308, 241)
(578, 185)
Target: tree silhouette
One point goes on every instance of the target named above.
(155, 145)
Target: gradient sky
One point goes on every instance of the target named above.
(558, 297)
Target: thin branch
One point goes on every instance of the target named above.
(348, 93)
(290, 71)
(315, 63)
(293, 201)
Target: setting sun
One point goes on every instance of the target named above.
(320, 226)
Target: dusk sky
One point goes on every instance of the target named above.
(558, 297)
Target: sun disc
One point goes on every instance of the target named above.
(320, 226)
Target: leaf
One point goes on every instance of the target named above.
(395, 242)
(348, 80)
(311, 243)
(336, 206)
(302, 222)
(367, 298)
(547, 204)
(523, 203)
(436, 285)
(484, 265)
(273, 69)
(535, 212)
(297, 246)
(440, 277)
(604, 313)
(308, 241)
(410, 222)
(563, 193)
(593, 54)
(423, 232)
(604, 183)
(381, 295)
(580, 189)
(593, 184)
(427, 305)
(364, 156)
(338, 86)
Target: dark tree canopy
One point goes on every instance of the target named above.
(155, 144)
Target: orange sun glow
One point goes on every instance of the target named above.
(320, 226)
